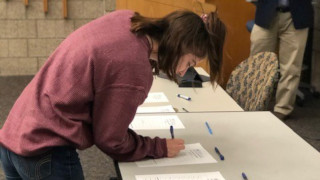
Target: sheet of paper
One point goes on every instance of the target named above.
(156, 97)
(155, 109)
(156, 122)
(189, 176)
(192, 154)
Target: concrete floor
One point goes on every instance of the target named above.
(305, 121)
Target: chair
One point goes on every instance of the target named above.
(252, 82)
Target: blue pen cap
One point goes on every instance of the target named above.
(244, 176)
(221, 157)
(218, 152)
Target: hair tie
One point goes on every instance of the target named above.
(204, 18)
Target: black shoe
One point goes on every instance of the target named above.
(281, 116)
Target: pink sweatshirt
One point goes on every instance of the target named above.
(87, 93)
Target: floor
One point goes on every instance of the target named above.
(305, 121)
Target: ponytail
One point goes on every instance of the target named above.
(217, 33)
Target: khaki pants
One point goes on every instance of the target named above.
(289, 43)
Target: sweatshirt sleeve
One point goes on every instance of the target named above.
(113, 111)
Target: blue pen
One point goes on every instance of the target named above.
(244, 176)
(209, 129)
(218, 152)
(171, 132)
(184, 97)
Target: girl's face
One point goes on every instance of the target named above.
(185, 62)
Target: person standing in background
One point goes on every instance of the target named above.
(281, 26)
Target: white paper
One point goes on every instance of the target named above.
(186, 176)
(192, 154)
(156, 122)
(155, 109)
(156, 97)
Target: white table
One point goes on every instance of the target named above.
(203, 99)
(256, 143)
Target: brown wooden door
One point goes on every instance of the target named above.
(235, 14)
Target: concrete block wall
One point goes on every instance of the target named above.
(28, 35)
(315, 76)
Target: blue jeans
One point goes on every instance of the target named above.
(58, 163)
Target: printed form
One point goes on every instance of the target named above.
(188, 176)
(192, 154)
(156, 122)
(156, 97)
(155, 109)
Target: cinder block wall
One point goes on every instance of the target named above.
(28, 35)
(315, 80)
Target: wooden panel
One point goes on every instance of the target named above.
(235, 15)
(150, 8)
(45, 6)
(158, 8)
(64, 9)
(121, 4)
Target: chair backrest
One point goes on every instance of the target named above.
(252, 82)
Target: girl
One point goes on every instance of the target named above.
(90, 87)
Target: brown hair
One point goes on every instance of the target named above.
(183, 32)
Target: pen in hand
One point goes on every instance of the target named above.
(218, 152)
(171, 132)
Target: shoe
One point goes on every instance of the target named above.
(281, 116)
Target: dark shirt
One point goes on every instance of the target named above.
(301, 12)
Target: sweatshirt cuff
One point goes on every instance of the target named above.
(160, 148)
